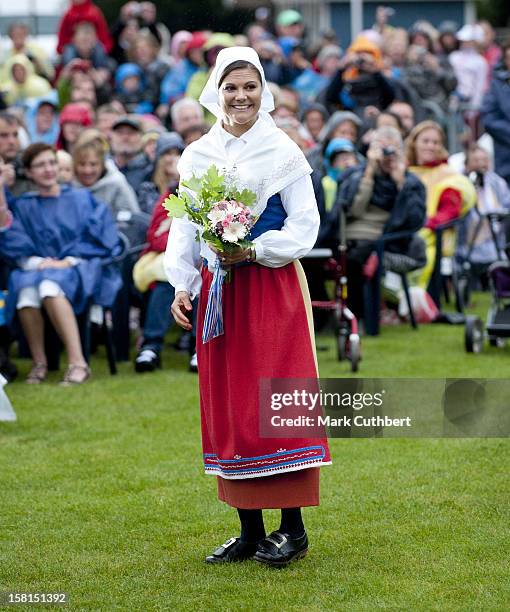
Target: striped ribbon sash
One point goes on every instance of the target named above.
(213, 321)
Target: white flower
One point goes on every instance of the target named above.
(233, 207)
(234, 232)
(216, 216)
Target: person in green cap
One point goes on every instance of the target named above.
(289, 23)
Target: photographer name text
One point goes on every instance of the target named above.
(343, 421)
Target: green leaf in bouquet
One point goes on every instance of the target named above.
(213, 240)
(247, 197)
(188, 200)
(244, 244)
(203, 220)
(231, 193)
(213, 181)
(193, 183)
(176, 206)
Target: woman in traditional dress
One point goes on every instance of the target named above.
(56, 238)
(450, 195)
(268, 331)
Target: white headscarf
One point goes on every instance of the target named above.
(210, 97)
(269, 162)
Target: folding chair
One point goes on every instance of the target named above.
(372, 288)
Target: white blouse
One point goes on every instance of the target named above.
(274, 248)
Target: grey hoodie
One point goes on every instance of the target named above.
(316, 154)
(114, 190)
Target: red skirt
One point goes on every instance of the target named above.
(289, 490)
(268, 334)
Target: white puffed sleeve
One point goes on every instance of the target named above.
(182, 257)
(276, 248)
(182, 260)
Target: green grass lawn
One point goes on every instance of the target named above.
(104, 497)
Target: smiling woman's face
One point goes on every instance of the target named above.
(88, 167)
(240, 96)
(428, 146)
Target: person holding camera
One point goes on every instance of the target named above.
(430, 76)
(378, 197)
(493, 201)
(360, 82)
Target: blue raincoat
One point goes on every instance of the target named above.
(72, 224)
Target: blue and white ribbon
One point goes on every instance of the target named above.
(213, 321)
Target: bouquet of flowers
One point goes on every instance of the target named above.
(219, 207)
(223, 212)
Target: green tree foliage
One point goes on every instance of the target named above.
(495, 11)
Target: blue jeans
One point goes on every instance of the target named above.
(158, 317)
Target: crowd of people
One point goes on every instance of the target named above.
(90, 139)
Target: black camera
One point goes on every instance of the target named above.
(387, 151)
(476, 178)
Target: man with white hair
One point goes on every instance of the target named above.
(186, 113)
(378, 197)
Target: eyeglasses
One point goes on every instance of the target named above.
(50, 163)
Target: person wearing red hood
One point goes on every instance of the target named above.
(177, 79)
(73, 119)
(78, 12)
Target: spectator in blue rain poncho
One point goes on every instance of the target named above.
(58, 239)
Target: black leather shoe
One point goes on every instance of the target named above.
(232, 550)
(279, 549)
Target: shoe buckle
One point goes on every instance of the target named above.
(275, 542)
(229, 542)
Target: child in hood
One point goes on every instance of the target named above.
(41, 119)
(130, 89)
(78, 12)
(22, 83)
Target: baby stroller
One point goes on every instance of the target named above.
(497, 327)
(322, 261)
(466, 269)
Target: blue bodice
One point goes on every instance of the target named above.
(272, 218)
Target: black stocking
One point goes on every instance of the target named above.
(292, 522)
(252, 525)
